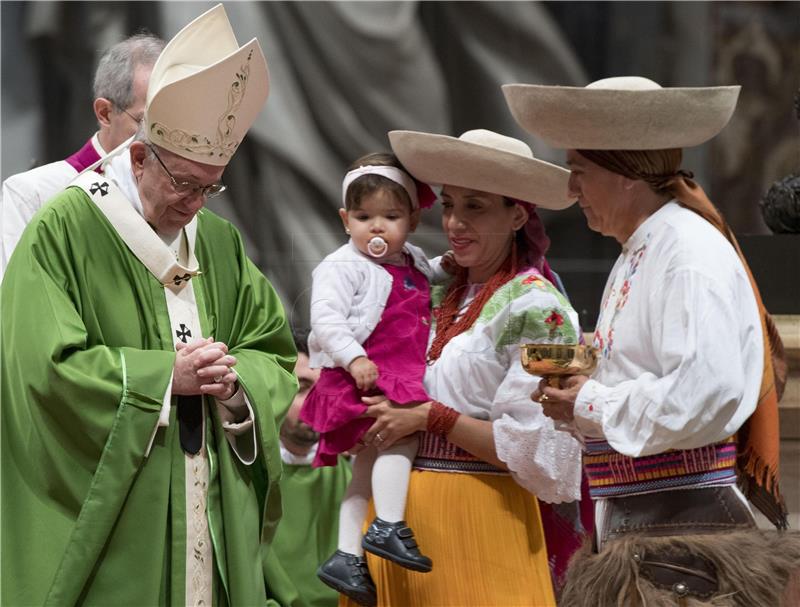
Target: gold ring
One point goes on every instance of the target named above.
(218, 379)
(379, 437)
(543, 398)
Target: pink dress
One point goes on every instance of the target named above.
(397, 346)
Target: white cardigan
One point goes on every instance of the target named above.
(348, 294)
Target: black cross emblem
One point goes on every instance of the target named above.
(179, 279)
(183, 333)
(103, 187)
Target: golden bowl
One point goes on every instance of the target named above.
(557, 360)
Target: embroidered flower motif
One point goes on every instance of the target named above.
(599, 343)
(616, 301)
(533, 279)
(597, 340)
(623, 294)
(554, 321)
(636, 259)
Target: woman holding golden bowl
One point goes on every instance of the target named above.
(487, 453)
(680, 419)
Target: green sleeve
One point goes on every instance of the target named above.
(57, 377)
(76, 417)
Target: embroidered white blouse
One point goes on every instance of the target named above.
(681, 341)
(479, 373)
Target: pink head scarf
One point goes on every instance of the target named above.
(537, 240)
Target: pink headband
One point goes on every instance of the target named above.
(421, 195)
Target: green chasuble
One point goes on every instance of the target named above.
(308, 532)
(89, 517)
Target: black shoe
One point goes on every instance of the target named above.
(348, 574)
(395, 542)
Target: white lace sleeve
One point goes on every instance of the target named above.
(545, 461)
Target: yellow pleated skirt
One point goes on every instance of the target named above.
(485, 537)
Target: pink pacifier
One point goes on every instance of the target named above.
(377, 247)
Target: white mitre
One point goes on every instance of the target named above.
(205, 91)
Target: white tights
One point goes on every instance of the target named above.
(384, 475)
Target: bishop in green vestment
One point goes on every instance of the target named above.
(110, 494)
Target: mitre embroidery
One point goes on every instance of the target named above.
(224, 145)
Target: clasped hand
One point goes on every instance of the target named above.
(203, 366)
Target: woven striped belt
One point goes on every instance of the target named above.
(612, 474)
(439, 455)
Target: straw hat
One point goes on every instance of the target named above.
(205, 91)
(485, 161)
(625, 113)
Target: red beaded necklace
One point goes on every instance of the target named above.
(448, 323)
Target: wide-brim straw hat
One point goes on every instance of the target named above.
(624, 113)
(484, 161)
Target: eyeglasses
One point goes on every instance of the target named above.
(185, 188)
(122, 109)
(134, 118)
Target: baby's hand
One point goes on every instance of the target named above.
(449, 264)
(364, 371)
